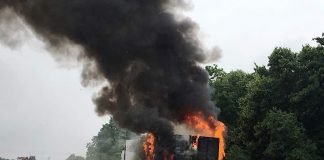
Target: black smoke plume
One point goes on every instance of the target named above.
(148, 55)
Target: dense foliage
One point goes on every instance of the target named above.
(108, 144)
(276, 112)
(74, 157)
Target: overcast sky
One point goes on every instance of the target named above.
(44, 111)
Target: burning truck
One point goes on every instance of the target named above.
(207, 143)
(187, 148)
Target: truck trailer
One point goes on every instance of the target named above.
(187, 147)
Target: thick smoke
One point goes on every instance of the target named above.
(147, 54)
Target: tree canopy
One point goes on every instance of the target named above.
(74, 157)
(276, 112)
(108, 144)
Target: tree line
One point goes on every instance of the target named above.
(276, 112)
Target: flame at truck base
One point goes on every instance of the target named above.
(209, 127)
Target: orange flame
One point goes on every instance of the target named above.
(194, 144)
(148, 146)
(208, 127)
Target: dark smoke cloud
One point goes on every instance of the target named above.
(147, 54)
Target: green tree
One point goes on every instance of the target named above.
(286, 137)
(298, 87)
(277, 112)
(235, 152)
(108, 144)
(74, 157)
(253, 107)
(320, 40)
(308, 94)
(229, 88)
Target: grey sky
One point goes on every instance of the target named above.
(247, 31)
(44, 111)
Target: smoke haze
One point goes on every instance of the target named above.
(148, 55)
